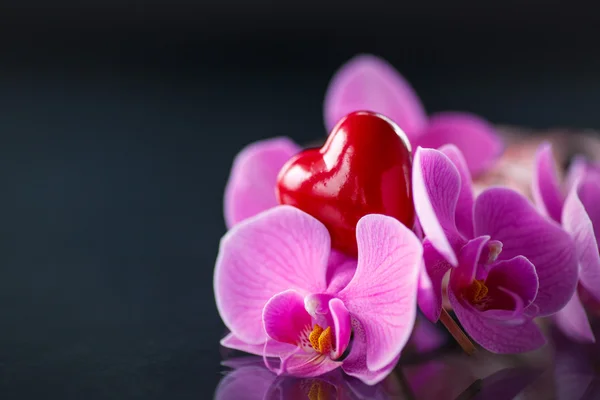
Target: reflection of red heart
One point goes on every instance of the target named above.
(363, 168)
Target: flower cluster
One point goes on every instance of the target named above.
(330, 252)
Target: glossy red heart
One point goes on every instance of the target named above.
(363, 168)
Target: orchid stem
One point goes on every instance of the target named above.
(457, 333)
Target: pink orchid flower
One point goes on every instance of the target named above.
(281, 293)
(579, 212)
(367, 82)
(507, 263)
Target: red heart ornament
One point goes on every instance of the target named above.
(363, 168)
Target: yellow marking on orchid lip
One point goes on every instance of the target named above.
(314, 337)
(317, 392)
(321, 340)
(477, 291)
(326, 341)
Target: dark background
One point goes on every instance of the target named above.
(118, 124)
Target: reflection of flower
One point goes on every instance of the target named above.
(485, 377)
(282, 294)
(252, 381)
(577, 367)
(508, 263)
(369, 83)
(579, 213)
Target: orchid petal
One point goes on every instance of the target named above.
(430, 294)
(581, 168)
(306, 365)
(468, 261)
(546, 190)
(383, 292)
(577, 221)
(368, 83)
(469, 266)
(475, 138)
(251, 185)
(573, 321)
(589, 194)
(436, 188)
(516, 316)
(341, 325)
(517, 275)
(279, 249)
(340, 271)
(577, 170)
(275, 349)
(464, 205)
(285, 318)
(356, 363)
(509, 217)
(494, 337)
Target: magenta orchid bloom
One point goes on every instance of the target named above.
(369, 83)
(576, 204)
(507, 263)
(283, 294)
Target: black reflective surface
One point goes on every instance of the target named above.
(115, 146)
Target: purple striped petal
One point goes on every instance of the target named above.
(280, 249)
(383, 292)
(573, 321)
(436, 188)
(251, 185)
(507, 216)
(497, 337)
(475, 138)
(341, 325)
(340, 271)
(589, 194)
(307, 365)
(546, 189)
(285, 318)
(516, 275)
(356, 363)
(368, 83)
(464, 205)
(577, 221)
(468, 262)
(275, 349)
(430, 295)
